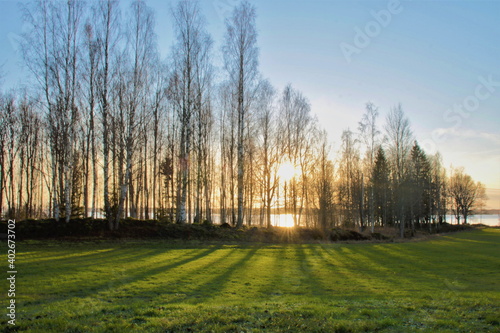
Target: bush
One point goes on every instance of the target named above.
(345, 235)
(135, 228)
(378, 236)
(226, 225)
(446, 227)
(207, 223)
(50, 228)
(312, 234)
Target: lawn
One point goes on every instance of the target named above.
(449, 284)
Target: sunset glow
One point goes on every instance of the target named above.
(284, 220)
(287, 171)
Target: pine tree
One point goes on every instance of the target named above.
(381, 188)
(420, 185)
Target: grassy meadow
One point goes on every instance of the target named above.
(447, 284)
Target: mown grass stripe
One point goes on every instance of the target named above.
(446, 284)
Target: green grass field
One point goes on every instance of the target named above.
(447, 284)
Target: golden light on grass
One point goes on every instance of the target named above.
(170, 286)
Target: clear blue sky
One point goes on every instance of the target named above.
(429, 55)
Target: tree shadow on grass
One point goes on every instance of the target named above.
(211, 288)
(309, 283)
(97, 258)
(277, 284)
(367, 271)
(294, 276)
(110, 280)
(126, 296)
(180, 284)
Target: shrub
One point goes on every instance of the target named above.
(378, 236)
(225, 225)
(345, 235)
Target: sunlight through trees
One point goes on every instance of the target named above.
(113, 131)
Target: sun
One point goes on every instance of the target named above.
(285, 220)
(287, 171)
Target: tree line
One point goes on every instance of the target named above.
(112, 130)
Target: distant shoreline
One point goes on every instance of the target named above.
(489, 212)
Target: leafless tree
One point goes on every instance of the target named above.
(30, 158)
(107, 35)
(297, 128)
(437, 194)
(241, 63)
(399, 142)
(116, 128)
(3, 151)
(270, 149)
(350, 181)
(90, 160)
(324, 184)
(481, 199)
(132, 89)
(9, 135)
(227, 139)
(159, 128)
(51, 52)
(463, 192)
(188, 90)
(369, 136)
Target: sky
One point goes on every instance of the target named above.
(439, 59)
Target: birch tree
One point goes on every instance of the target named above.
(9, 136)
(369, 135)
(90, 161)
(3, 148)
(297, 129)
(51, 53)
(241, 63)
(399, 142)
(350, 178)
(142, 48)
(107, 31)
(270, 149)
(189, 88)
(227, 138)
(438, 209)
(324, 185)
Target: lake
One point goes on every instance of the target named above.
(491, 220)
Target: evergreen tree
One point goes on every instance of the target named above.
(420, 185)
(381, 188)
